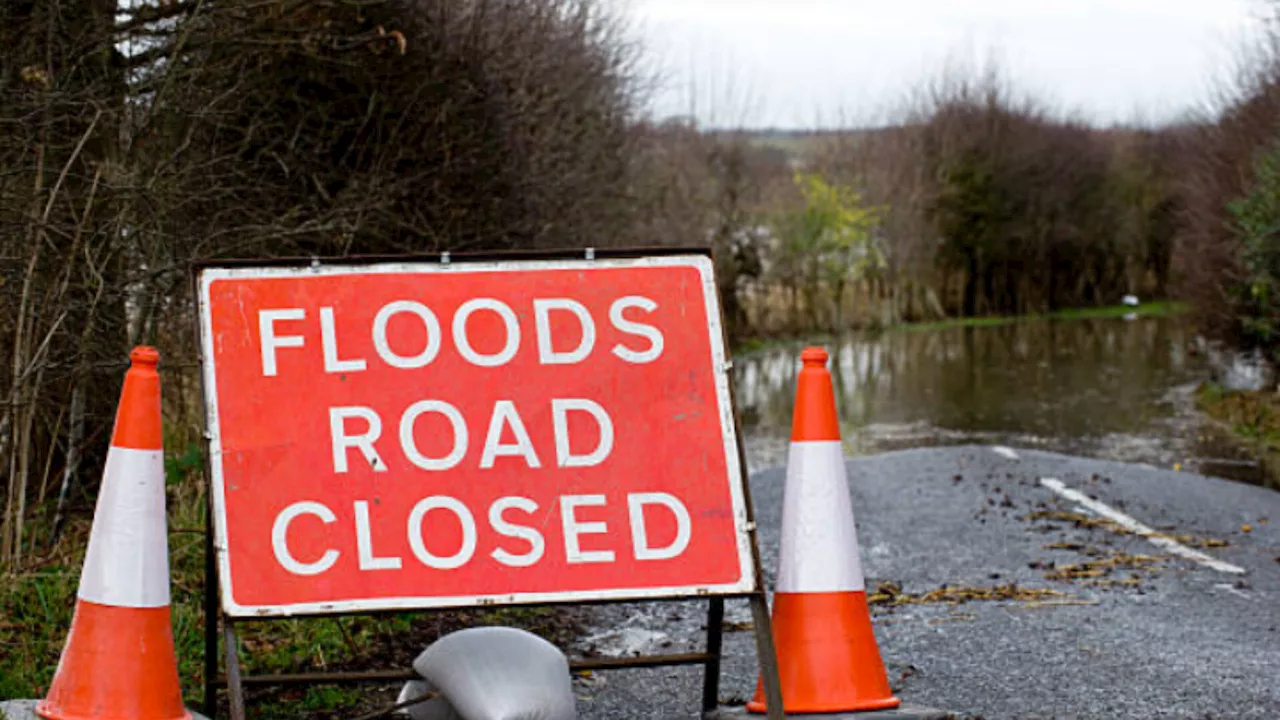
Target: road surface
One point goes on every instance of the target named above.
(1169, 625)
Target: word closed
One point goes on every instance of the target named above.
(422, 435)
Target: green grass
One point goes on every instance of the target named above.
(36, 606)
(1154, 309)
(1253, 417)
(37, 603)
(36, 612)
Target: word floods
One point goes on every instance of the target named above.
(422, 435)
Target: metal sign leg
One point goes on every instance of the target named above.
(210, 618)
(768, 655)
(235, 689)
(715, 637)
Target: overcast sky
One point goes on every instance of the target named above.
(801, 63)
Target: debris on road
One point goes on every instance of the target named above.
(1078, 519)
(891, 594)
(1093, 569)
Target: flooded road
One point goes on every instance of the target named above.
(1024, 605)
(974, 448)
(1112, 389)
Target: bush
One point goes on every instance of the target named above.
(266, 129)
(397, 126)
(1225, 203)
(1257, 228)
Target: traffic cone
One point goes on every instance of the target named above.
(828, 660)
(119, 662)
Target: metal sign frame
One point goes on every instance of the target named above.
(420, 276)
(234, 682)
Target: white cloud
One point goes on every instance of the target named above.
(801, 62)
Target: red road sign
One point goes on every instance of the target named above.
(406, 435)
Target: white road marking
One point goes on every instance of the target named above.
(1137, 528)
(1229, 588)
(1004, 451)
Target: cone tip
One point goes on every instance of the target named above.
(814, 356)
(144, 355)
(815, 411)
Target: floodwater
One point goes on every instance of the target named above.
(1112, 389)
(1116, 389)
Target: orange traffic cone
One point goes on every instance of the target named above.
(119, 663)
(827, 654)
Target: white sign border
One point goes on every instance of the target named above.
(746, 583)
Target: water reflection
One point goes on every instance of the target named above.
(1112, 388)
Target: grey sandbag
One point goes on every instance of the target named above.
(499, 673)
(434, 709)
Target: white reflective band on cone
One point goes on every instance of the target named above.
(127, 564)
(819, 549)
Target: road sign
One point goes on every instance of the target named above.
(421, 434)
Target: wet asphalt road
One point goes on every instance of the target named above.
(1145, 634)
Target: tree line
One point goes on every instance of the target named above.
(136, 138)
(976, 201)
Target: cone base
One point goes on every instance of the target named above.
(118, 664)
(759, 707)
(903, 712)
(44, 713)
(26, 710)
(828, 660)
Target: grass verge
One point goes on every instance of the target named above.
(37, 603)
(1253, 417)
(1153, 309)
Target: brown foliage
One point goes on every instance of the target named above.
(61, 199)
(275, 128)
(996, 205)
(1217, 166)
(500, 124)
